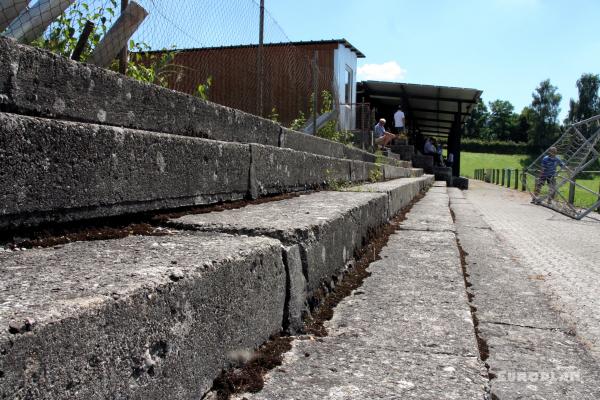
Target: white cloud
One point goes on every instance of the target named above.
(388, 71)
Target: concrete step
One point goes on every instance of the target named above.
(37, 82)
(406, 333)
(140, 317)
(405, 152)
(54, 171)
(159, 317)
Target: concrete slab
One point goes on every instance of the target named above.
(278, 170)
(139, 317)
(400, 192)
(431, 213)
(328, 226)
(60, 171)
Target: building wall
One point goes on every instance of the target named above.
(287, 78)
(345, 62)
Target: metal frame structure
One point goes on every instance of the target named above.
(577, 148)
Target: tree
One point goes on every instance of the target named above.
(476, 126)
(588, 102)
(545, 109)
(502, 120)
(523, 126)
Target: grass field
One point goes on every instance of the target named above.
(469, 162)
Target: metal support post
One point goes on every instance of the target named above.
(260, 60)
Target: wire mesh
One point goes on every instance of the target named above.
(205, 48)
(576, 149)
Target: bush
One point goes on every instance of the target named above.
(496, 147)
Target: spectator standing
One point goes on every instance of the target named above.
(399, 121)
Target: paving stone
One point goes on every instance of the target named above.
(139, 317)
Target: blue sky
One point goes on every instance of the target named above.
(503, 47)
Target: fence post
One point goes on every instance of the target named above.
(124, 54)
(524, 181)
(572, 192)
(497, 176)
(503, 176)
(493, 176)
(508, 174)
(34, 21)
(516, 179)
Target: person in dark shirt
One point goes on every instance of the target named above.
(548, 173)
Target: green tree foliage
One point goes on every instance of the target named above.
(545, 109)
(62, 35)
(523, 126)
(477, 125)
(588, 103)
(203, 89)
(502, 120)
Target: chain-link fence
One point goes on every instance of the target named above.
(230, 52)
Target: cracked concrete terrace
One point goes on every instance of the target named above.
(407, 332)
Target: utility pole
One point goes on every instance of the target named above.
(315, 90)
(124, 54)
(260, 62)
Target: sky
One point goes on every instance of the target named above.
(503, 47)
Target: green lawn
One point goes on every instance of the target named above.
(472, 161)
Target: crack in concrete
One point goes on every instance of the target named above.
(528, 327)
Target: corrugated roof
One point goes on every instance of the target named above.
(344, 42)
(432, 108)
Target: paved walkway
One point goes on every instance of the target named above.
(562, 253)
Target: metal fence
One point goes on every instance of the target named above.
(230, 52)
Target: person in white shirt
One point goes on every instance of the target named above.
(399, 122)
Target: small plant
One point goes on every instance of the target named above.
(376, 174)
(203, 89)
(299, 122)
(273, 115)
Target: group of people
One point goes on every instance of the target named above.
(434, 149)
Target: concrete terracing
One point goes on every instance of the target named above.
(140, 317)
(406, 333)
(159, 317)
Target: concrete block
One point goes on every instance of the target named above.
(58, 171)
(400, 192)
(424, 162)
(460, 182)
(328, 227)
(391, 172)
(363, 171)
(311, 144)
(295, 305)
(38, 82)
(136, 318)
(443, 174)
(277, 170)
(354, 153)
(416, 172)
(404, 151)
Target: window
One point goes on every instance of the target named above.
(348, 85)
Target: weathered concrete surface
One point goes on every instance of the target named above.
(406, 333)
(56, 170)
(278, 170)
(416, 172)
(532, 351)
(135, 318)
(400, 192)
(39, 82)
(328, 227)
(36, 82)
(60, 171)
(432, 212)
